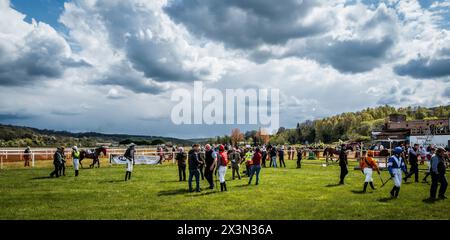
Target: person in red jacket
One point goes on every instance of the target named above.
(256, 168)
(222, 162)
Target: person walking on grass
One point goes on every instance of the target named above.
(368, 165)
(281, 156)
(256, 167)
(299, 157)
(264, 156)
(235, 158)
(248, 161)
(273, 156)
(129, 155)
(57, 161)
(62, 166)
(75, 159)
(181, 157)
(222, 162)
(26, 156)
(396, 165)
(428, 163)
(210, 165)
(413, 154)
(438, 174)
(194, 164)
(343, 163)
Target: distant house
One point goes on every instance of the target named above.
(423, 132)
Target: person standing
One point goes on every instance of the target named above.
(57, 161)
(396, 165)
(256, 167)
(75, 159)
(281, 156)
(194, 164)
(273, 157)
(414, 163)
(26, 156)
(181, 157)
(222, 162)
(428, 163)
(343, 163)
(62, 166)
(368, 165)
(248, 162)
(438, 174)
(129, 155)
(235, 158)
(210, 165)
(299, 157)
(264, 156)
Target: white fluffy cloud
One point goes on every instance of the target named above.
(30, 52)
(114, 69)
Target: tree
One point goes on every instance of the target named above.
(262, 136)
(236, 136)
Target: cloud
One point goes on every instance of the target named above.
(248, 24)
(113, 93)
(31, 52)
(137, 46)
(348, 56)
(425, 68)
(446, 93)
(14, 116)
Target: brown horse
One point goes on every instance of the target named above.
(329, 152)
(93, 154)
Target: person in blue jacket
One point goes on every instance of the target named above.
(396, 165)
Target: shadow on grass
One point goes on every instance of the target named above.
(430, 200)
(357, 191)
(173, 192)
(244, 185)
(386, 199)
(334, 185)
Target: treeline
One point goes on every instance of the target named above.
(352, 126)
(17, 136)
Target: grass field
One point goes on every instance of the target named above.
(155, 193)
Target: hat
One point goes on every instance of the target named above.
(181, 149)
(398, 150)
(440, 149)
(75, 148)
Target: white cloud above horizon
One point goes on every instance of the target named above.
(115, 68)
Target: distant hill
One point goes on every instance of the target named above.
(20, 136)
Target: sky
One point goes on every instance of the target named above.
(111, 66)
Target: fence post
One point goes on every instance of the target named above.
(32, 160)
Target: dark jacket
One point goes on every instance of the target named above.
(343, 158)
(181, 158)
(57, 158)
(194, 160)
(129, 153)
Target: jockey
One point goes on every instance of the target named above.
(396, 165)
(75, 159)
(368, 165)
(129, 155)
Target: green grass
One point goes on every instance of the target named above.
(155, 193)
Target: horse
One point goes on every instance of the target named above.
(93, 154)
(329, 152)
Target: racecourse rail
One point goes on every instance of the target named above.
(16, 155)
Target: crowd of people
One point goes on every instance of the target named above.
(211, 162)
